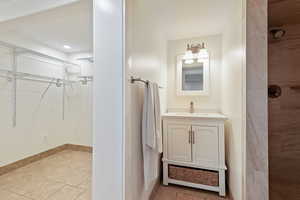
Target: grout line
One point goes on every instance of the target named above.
(78, 187)
(18, 194)
(60, 189)
(79, 195)
(54, 192)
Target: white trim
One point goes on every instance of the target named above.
(221, 189)
(108, 100)
(124, 102)
(194, 185)
(244, 99)
(189, 164)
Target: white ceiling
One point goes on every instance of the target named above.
(69, 24)
(10, 9)
(177, 19)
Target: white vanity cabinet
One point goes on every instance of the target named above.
(194, 146)
(176, 148)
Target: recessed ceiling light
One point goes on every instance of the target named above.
(67, 47)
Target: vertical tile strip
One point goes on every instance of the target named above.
(257, 101)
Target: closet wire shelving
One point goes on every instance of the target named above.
(13, 75)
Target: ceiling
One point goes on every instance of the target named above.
(282, 12)
(69, 24)
(10, 9)
(177, 19)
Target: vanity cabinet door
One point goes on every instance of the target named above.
(179, 145)
(205, 146)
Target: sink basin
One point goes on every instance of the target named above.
(194, 115)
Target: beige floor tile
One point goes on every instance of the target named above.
(68, 176)
(87, 195)
(6, 180)
(49, 177)
(5, 195)
(67, 193)
(16, 181)
(43, 190)
(87, 184)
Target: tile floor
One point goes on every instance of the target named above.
(172, 192)
(63, 176)
(67, 176)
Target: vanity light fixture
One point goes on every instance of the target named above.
(203, 53)
(188, 56)
(195, 52)
(67, 47)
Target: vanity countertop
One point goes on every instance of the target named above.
(194, 115)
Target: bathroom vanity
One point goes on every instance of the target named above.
(194, 150)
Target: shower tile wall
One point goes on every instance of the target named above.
(284, 116)
(256, 183)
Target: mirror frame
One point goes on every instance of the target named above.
(206, 79)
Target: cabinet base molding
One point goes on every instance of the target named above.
(191, 177)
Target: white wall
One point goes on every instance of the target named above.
(211, 103)
(79, 108)
(146, 58)
(150, 25)
(39, 119)
(232, 96)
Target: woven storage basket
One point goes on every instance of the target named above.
(198, 176)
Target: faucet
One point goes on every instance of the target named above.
(192, 110)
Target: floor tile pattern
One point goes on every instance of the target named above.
(63, 176)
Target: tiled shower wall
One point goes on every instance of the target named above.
(284, 121)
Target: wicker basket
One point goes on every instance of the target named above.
(198, 176)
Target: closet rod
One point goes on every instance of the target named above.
(38, 78)
(22, 50)
(34, 80)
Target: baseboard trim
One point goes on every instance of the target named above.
(76, 147)
(26, 161)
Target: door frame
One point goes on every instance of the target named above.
(108, 100)
(108, 169)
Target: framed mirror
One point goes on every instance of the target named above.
(193, 78)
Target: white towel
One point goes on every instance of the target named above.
(157, 118)
(151, 132)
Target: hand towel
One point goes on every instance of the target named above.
(151, 133)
